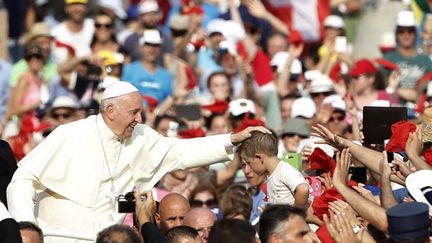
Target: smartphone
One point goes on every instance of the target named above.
(172, 129)
(341, 44)
(390, 157)
(358, 174)
(293, 159)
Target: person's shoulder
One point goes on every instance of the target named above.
(392, 55)
(58, 29)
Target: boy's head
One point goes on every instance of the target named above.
(255, 150)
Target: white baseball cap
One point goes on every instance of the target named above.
(148, 6)
(118, 88)
(279, 60)
(151, 37)
(64, 102)
(241, 106)
(216, 26)
(335, 101)
(405, 19)
(115, 6)
(419, 185)
(303, 107)
(321, 84)
(334, 21)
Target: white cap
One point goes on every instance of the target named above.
(279, 60)
(303, 107)
(312, 74)
(64, 102)
(380, 103)
(118, 89)
(321, 84)
(334, 21)
(148, 6)
(405, 19)
(335, 101)
(151, 37)
(241, 106)
(216, 26)
(229, 46)
(419, 184)
(233, 31)
(115, 5)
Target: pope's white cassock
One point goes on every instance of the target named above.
(67, 183)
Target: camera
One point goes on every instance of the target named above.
(126, 203)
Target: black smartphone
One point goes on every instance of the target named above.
(390, 157)
(358, 174)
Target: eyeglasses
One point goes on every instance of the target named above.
(107, 26)
(199, 203)
(338, 118)
(63, 115)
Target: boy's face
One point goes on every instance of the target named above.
(255, 163)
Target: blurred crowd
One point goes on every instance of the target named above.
(211, 67)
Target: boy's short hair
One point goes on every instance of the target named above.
(259, 143)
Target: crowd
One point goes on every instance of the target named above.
(212, 121)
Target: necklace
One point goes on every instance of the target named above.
(113, 194)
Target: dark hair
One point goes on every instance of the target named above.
(236, 200)
(178, 233)
(25, 225)
(273, 216)
(259, 143)
(159, 119)
(209, 121)
(105, 235)
(205, 187)
(232, 231)
(214, 74)
(113, 36)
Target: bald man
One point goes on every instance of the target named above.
(172, 210)
(201, 219)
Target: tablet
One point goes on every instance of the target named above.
(377, 122)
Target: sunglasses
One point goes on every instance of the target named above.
(338, 118)
(290, 135)
(199, 203)
(63, 115)
(313, 95)
(107, 26)
(406, 30)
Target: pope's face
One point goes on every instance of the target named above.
(127, 114)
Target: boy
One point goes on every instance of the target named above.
(285, 185)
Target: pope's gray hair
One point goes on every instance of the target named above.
(107, 102)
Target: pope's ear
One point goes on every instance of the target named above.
(109, 111)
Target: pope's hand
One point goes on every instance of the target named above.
(239, 137)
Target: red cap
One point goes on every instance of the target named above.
(219, 107)
(400, 132)
(319, 160)
(363, 66)
(247, 122)
(192, 133)
(295, 37)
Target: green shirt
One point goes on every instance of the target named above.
(411, 68)
(49, 71)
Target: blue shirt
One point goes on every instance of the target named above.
(257, 201)
(157, 85)
(5, 72)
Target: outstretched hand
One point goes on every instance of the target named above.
(328, 137)
(239, 137)
(343, 162)
(144, 209)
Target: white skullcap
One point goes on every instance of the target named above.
(118, 89)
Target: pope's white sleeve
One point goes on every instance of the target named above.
(4, 214)
(20, 194)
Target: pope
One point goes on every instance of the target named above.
(69, 183)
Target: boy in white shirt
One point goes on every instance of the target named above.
(285, 185)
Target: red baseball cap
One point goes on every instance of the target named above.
(363, 66)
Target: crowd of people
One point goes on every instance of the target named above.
(212, 121)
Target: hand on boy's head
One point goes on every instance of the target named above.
(239, 137)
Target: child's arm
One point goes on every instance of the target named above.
(301, 195)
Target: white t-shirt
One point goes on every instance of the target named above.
(80, 41)
(282, 183)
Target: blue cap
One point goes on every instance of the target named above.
(408, 221)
